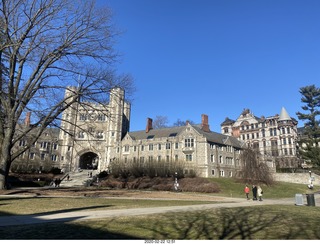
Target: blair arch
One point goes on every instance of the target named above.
(89, 160)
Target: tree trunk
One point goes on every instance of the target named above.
(5, 164)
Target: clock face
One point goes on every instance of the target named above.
(92, 116)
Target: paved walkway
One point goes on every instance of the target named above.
(85, 215)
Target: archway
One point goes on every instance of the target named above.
(88, 160)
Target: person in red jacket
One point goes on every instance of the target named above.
(247, 191)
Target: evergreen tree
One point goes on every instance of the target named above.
(310, 142)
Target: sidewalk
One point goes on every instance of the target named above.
(85, 215)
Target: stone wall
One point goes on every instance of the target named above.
(299, 178)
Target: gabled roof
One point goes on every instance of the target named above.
(220, 138)
(156, 133)
(175, 131)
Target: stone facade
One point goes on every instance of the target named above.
(93, 135)
(208, 153)
(275, 137)
(89, 131)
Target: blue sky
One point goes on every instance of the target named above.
(217, 57)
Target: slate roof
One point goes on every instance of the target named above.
(211, 136)
(228, 121)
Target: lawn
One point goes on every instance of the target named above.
(255, 223)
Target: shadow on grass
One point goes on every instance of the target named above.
(254, 223)
(232, 224)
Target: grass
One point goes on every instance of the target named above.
(275, 222)
(251, 223)
(232, 188)
(26, 206)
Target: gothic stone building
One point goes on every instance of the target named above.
(275, 137)
(92, 136)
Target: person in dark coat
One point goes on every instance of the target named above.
(254, 192)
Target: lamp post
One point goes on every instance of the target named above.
(176, 184)
(310, 185)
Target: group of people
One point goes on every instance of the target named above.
(256, 192)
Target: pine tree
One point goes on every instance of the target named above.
(309, 145)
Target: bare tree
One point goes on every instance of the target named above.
(160, 122)
(253, 169)
(47, 46)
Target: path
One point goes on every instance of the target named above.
(62, 216)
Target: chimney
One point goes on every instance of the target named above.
(149, 125)
(205, 123)
(27, 119)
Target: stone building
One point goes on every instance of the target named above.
(92, 135)
(208, 153)
(89, 131)
(275, 137)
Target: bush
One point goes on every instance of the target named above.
(55, 171)
(194, 184)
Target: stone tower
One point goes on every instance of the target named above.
(90, 131)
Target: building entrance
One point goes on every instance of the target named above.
(89, 160)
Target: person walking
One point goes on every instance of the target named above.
(260, 193)
(247, 191)
(254, 193)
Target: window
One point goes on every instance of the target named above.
(159, 146)
(189, 142)
(126, 148)
(212, 172)
(150, 137)
(188, 157)
(150, 158)
(263, 133)
(81, 134)
(289, 140)
(142, 147)
(176, 145)
(83, 117)
(135, 148)
(288, 130)
(22, 143)
(55, 146)
(275, 131)
(32, 155)
(225, 130)
(168, 145)
(271, 130)
(141, 159)
(150, 147)
(221, 173)
(176, 157)
(284, 141)
(220, 159)
(54, 157)
(229, 160)
(44, 145)
(168, 158)
(283, 131)
(99, 134)
(159, 158)
(101, 117)
(42, 156)
(212, 158)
